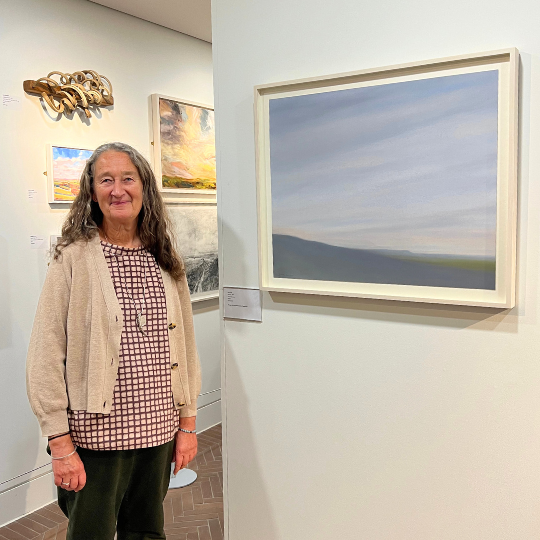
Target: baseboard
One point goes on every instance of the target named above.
(208, 397)
(26, 498)
(209, 415)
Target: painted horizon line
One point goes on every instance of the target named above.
(297, 258)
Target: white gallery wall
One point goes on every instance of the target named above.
(372, 420)
(140, 58)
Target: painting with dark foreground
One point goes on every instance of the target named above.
(195, 231)
(202, 273)
(393, 183)
(295, 258)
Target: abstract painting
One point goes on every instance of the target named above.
(195, 231)
(65, 166)
(391, 183)
(184, 143)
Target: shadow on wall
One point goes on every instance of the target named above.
(526, 288)
(205, 306)
(244, 489)
(422, 314)
(244, 478)
(57, 117)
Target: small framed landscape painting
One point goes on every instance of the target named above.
(184, 148)
(196, 235)
(396, 183)
(64, 168)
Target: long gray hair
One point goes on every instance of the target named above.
(154, 228)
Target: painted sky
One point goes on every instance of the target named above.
(187, 140)
(407, 166)
(195, 229)
(68, 163)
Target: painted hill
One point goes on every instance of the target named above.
(296, 258)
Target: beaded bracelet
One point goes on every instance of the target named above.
(187, 430)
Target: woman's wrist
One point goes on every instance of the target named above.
(53, 437)
(187, 423)
(66, 456)
(61, 446)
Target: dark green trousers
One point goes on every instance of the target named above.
(124, 492)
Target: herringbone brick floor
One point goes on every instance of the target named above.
(191, 513)
(196, 512)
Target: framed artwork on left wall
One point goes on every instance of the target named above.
(196, 236)
(184, 150)
(64, 167)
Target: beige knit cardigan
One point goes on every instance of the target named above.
(75, 343)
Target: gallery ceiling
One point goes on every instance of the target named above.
(191, 17)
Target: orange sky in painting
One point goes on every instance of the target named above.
(187, 150)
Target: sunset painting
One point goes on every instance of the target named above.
(389, 183)
(187, 138)
(67, 166)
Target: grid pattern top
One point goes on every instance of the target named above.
(143, 413)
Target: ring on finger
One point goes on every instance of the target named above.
(64, 484)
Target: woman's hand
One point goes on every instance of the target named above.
(185, 444)
(69, 472)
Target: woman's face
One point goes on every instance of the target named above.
(118, 188)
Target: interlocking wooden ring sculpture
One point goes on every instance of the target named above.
(77, 89)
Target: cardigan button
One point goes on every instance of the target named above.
(174, 366)
(172, 326)
(180, 404)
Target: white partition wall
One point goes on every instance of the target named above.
(373, 420)
(36, 37)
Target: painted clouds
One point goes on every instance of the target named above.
(401, 166)
(68, 163)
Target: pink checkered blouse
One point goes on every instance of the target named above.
(143, 413)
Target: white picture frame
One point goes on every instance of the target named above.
(200, 297)
(502, 294)
(172, 194)
(196, 234)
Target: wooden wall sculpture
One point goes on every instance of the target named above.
(78, 89)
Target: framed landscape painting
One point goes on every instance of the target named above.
(196, 234)
(396, 183)
(184, 148)
(64, 168)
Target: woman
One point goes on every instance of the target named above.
(113, 373)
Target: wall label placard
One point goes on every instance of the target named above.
(37, 242)
(33, 195)
(244, 304)
(11, 102)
